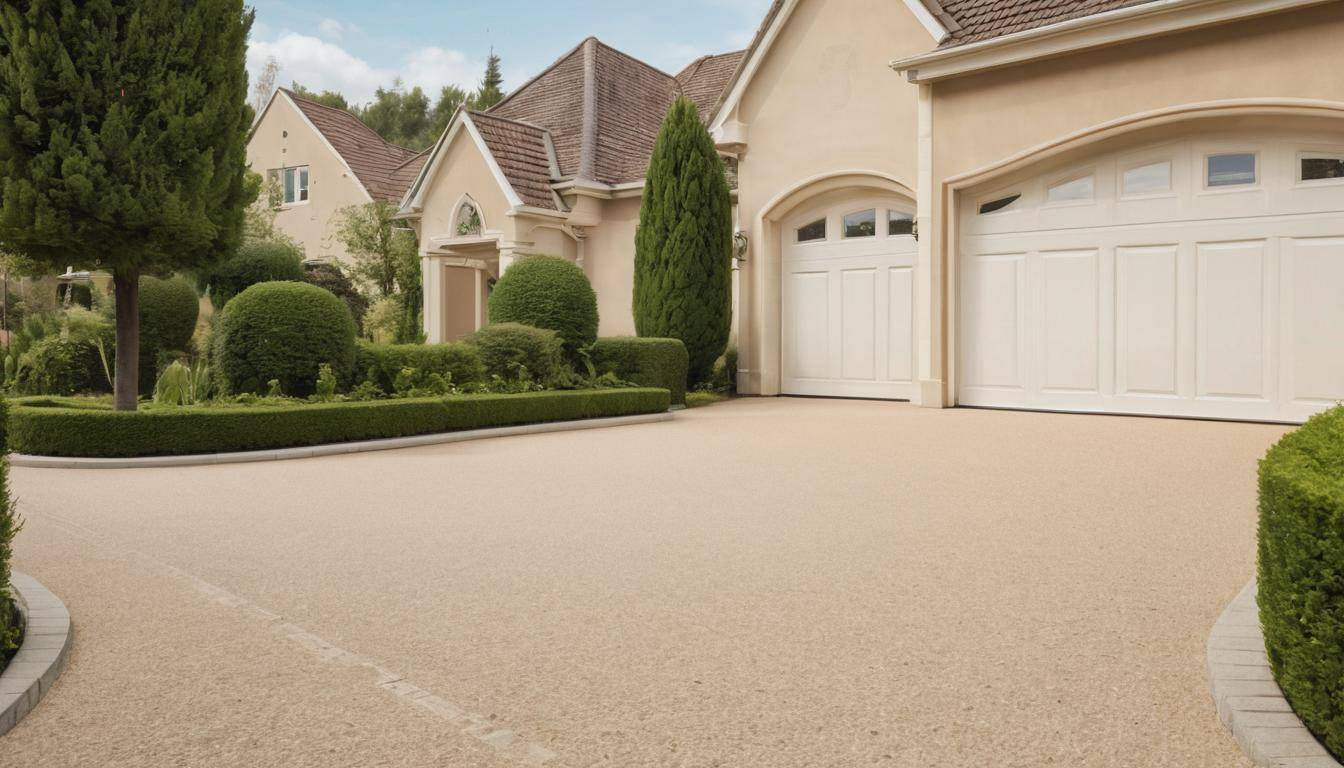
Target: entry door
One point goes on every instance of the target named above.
(848, 301)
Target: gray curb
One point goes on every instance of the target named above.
(46, 645)
(332, 449)
(1249, 702)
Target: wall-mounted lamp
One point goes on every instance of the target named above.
(914, 229)
(740, 244)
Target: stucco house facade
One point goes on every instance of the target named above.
(324, 159)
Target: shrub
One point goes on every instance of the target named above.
(334, 279)
(53, 428)
(644, 361)
(283, 331)
(548, 292)
(1301, 562)
(62, 365)
(380, 364)
(255, 262)
(385, 318)
(168, 313)
(10, 523)
(507, 349)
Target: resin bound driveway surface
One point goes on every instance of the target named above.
(759, 583)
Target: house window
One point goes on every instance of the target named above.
(468, 219)
(861, 224)
(293, 184)
(1081, 188)
(999, 204)
(1321, 167)
(814, 231)
(1231, 170)
(900, 223)
(1148, 179)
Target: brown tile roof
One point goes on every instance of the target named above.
(970, 21)
(706, 77)
(384, 169)
(521, 152)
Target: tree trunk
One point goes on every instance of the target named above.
(126, 382)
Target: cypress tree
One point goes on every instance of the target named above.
(123, 126)
(683, 249)
(491, 91)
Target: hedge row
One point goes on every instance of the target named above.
(648, 362)
(380, 363)
(49, 428)
(1301, 571)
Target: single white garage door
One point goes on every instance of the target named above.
(1200, 277)
(848, 301)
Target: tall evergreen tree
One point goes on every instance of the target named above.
(122, 141)
(491, 91)
(683, 248)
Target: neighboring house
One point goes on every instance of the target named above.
(556, 168)
(323, 159)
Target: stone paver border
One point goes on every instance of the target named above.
(1249, 702)
(46, 645)
(332, 449)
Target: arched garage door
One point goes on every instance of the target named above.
(847, 313)
(1197, 277)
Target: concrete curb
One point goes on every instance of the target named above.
(331, 449)
(46, 645)
(1249, 702)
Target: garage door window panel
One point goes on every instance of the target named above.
(1318, 167)
(1228, 170)
(1072, 191)
(999, 203)
(1146, 180)
(861, 224)
(900, 223)
(812, 232)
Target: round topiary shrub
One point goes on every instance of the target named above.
(284, 331)
(168, 313)
(548, 292)
(334, 279)
(509, 348)
(255, 262)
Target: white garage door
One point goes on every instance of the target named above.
(848, 301)
(1202, 277)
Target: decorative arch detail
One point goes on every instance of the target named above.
(468, 218)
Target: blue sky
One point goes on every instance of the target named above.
(353, 47)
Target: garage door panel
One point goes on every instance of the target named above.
(901, 324)
(1146, 321)
(1314, 322)
(811, 331)
(1231, 320)
(858, 345)
(994, 309)
(1069, 332)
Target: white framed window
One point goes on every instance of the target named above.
(1320, 167)
(1146, 179)
(1231, 169)
(293, 183)
(1073, 190)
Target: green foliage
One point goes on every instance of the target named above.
(326, 98)
(384, 251)
(548, 292)
(1301, 571)
(384, 320)
(400, 116)
(168, 313)
(283, 331)
(255, 262)
(457, 362)
(54, 428)
(334, 279)
(181, 384)
(683, 248)
(512, 351)
(491, 91)
(702, 398)
(61, 365)
(10, 524)
(325, 389)
(646, 362)
(724, 378)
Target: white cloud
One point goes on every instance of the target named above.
(332, 29)
(432, 68)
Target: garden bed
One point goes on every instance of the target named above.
(91, 429)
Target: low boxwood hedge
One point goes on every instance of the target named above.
(380, 363)
(648, 362)
(1301, 571)
(54, 428)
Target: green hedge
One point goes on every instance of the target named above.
(648, 362)
(380, 363)
(50, 428)
(9, 528)
(1301, 571)
(548, 292)
(283, 331)
(168, 312)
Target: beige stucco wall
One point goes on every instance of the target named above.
(609, 261)
(462, 170)
(982, 120)
(822, 102)
(331, 186)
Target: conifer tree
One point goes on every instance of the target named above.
(683, 248)
(491, 91)
(123, 127)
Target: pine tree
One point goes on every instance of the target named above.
(491, 91)
(683, 248)
(122, 141)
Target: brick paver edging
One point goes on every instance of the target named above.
(1249, 702)
(331, 449)
(46, 644)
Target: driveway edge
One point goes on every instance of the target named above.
(46, 646)
(332, 449)
(1248, 699)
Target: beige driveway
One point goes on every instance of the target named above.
(759, 583)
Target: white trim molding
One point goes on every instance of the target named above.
(1158, 17)
(931, 24)
(413, 203)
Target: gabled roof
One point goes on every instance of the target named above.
(524, 155)
(703, 80)
(970, 21)
(385, 170)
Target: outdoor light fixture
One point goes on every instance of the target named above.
(740, 243)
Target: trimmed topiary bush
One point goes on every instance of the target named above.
(684, 245)
(1301, 571)
(168, 313)
(283, 331)
(457, 361)
(548, 292)
(507, 348)
(334, 279)
(255, 262)
(646, 362)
